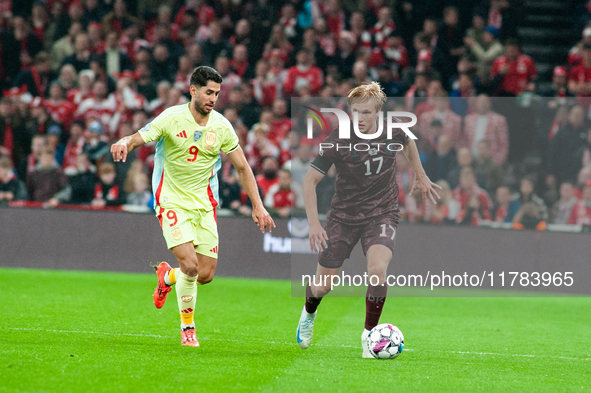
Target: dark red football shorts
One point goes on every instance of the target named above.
(343, 237)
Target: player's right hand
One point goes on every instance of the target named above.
(318, 238)
(119, 151)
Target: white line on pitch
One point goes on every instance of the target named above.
(317, 344)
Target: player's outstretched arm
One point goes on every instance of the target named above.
(317, 234)
(422, 182)
(123, 146)
(259, 214)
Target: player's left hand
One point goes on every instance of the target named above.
(263, 219)
(426, 187)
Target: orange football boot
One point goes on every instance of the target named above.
(188, 337)
(162, 289)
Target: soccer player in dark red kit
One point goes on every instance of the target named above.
(364, 207)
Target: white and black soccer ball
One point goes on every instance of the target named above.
(385, 341)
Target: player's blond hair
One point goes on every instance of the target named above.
(363, 93)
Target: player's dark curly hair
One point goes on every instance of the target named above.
(201, 75)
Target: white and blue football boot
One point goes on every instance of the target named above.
(305, 329)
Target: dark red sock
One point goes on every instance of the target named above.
(311, 301)
(374, 303)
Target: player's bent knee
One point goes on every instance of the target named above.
(205, 278)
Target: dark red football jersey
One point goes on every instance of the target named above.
(366, 183)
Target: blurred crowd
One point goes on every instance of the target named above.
(90, 72)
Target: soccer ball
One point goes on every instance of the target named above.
(385, 341)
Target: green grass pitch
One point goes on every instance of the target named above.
(64, 331)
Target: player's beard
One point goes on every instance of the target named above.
(200, 107)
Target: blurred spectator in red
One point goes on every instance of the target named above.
(80, 59)
(441, 160)
(84, 90)
(39, 20)
(205, 14)
(473, 213)
(239, 63)
(581, 212)
(268, 176)
(96, 44)
(526, 194)
(485, 52)
(29, 164)
(451, 122)
(561, 210)
(575, 57)
(60, 110)
(468, 187)
(100, 103)
(287, 19)
(48, 180)
(459, 98)
(118, 19)
(82, 180)
(107, 192)
(511, 73)
(363, 38)
(37, 77)
(492, 171)
(559, 87)
(74, 146)
(140, 194)
(486, 124)
(11, 189)
(384, 26)
(259, 147)
(303, 74)
(64, 47)
(562, 162)
(281, 196)
(579, 79)
(435, 89)
(281, 122)
(447, 208)
(417, 92)
(325, 39)
(504, 209)
(266, 86)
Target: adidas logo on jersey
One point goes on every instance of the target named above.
(214, 250)
(182, 134)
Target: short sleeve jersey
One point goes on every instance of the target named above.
(366, 178)
(187, 157)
